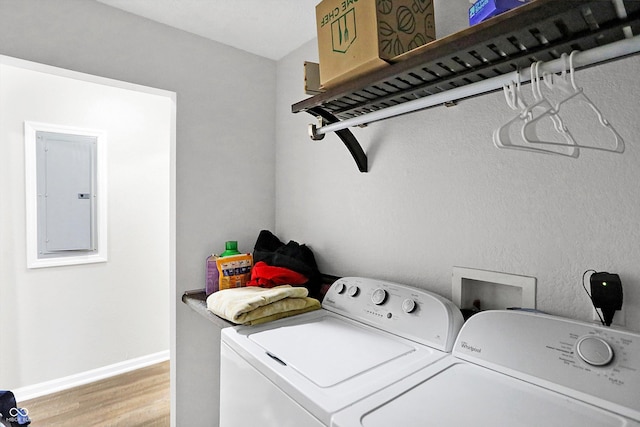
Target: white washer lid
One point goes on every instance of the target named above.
(330, 350)
(465, 394)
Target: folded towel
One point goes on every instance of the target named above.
(250, 304)
(310, 304)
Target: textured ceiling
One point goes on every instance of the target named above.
(269, 28)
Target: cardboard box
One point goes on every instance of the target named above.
(358, 36)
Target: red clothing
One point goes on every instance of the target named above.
(268, 276)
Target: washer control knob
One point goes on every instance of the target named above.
(379, 296)
(408, 305)
(340, 288)
(353, 291)
(594, 350)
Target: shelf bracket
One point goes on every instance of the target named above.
(313, 130)
(345, 135)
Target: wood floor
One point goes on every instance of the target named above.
(136, 398)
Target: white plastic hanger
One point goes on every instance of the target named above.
(515, 100)
(571, 91)
(546, 109)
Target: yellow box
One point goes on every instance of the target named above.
(358, 36)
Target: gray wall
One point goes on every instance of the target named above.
(439, 194)
(225, 143)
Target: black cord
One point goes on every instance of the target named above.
(590, 298)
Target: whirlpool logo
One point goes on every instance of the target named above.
(470, 348)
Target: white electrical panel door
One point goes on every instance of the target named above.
(66, 187)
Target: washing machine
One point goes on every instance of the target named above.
(301, 370)
(510, 368)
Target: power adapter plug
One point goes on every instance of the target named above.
(606, 294)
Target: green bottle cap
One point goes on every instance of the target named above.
(230, 248)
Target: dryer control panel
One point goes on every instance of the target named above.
(406, 311)
(600, 362)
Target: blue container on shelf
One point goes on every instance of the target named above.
(485, 9)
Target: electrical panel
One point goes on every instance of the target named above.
(66, 181)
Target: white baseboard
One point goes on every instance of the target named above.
(53, 386)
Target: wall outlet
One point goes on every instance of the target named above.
(618, 318)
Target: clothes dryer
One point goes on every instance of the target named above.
(511, 368)
(300, 370)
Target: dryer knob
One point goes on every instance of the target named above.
(595, 351)
(408, 305)
(353, 291)
(340, 288)
(379, 296)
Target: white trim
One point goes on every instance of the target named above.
(75, 380)
(33, 261)
(173, 292)
(76, 75)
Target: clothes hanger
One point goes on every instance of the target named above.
(515, 101)
(571, 91)
(546, 110)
